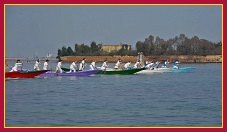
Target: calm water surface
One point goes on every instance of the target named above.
(167, 99)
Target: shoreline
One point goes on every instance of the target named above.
(181, 58)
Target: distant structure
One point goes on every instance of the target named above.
(36, 55)
(115, 48)
(49, 55)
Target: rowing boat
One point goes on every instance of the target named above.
(24, 74)
(79, 73)
(162, 70)
(122, 72)
(9, 74)
(155, 70)
(182, 69)
(65, 69)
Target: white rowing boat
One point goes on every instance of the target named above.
(165, 69)
(155, 70)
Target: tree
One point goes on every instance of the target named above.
(159, 44)
(149, 45)
(179, 45)
(139, 46)
(94, 47)
(69, 51)
(64, 51)
(76, 49)
(59, 54)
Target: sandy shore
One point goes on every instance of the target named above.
(181, 58)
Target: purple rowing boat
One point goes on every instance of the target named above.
(79, 73)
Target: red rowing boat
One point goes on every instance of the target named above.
(24, 74)
(9, 74)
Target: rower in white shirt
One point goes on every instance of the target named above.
(104, 65)
(92, 66)
(17, 64)
(118, 64)
(82, 65)
(136, 65)
(149, 65)
(73, 67)
(45, 65)
(58, 67)
(37, 64)
(127, 65)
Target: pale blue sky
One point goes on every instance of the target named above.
(40, 30)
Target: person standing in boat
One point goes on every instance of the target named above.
(58, 67)
(82, 65)
(118, 64)
(104, 65)
(45, 65)
(17, 64)
(37, 64)
(92, 66)
(73, 67)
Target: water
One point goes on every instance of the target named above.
(167, 99)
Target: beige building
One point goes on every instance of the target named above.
(115, 48)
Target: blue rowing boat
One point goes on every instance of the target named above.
(183, 69)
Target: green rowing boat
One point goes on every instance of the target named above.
(65, 69)
(122, 72)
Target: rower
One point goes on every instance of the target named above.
(37, 64)
(17, 64)
(92, 65)
(176, 64)
(165, 64)
(136, 65)
(82, 65)
(45, 65)
(117, 65)
(73, 67)
(58, 67)
(104, 65)
(127, 65)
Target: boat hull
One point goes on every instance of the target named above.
(79, 73)
(122, 72)
(9, 74)
(183, 69)
(24, 74)
(156, 70)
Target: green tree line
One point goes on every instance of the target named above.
(180, 45)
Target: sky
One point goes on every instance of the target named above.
(38, 30)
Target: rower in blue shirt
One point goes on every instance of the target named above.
(165, 64)
(176, 64)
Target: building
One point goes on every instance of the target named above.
(115, 48)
